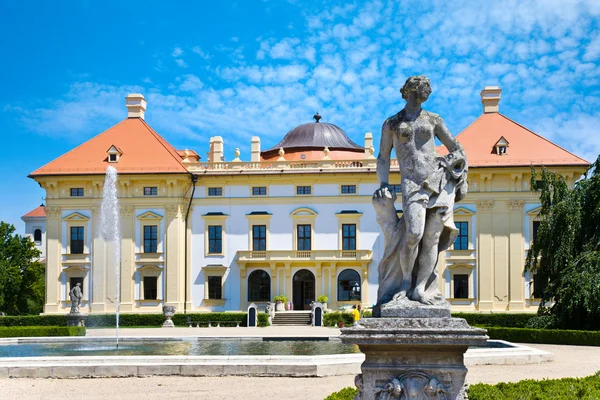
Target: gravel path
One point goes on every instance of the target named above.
(575, 361)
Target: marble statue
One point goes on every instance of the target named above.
(76, 295)
(431, 184)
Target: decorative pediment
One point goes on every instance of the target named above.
(304, 212)
(462, 211)
(149, 268)
(149, 215)
(535, 213)
(76, 268)
(458, 266)
(76, 217)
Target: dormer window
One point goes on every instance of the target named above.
(501, 147)
(113, 154)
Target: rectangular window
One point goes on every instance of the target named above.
(348, 189)
(304, 233)
(215, 239)
(461, 286)
(259, 237)
(76, 192)
(538, 185)
(151, 191)
(77, 240)
(259, 191)
(150, 287)
(150, 238)
(349, 237)
(215, 191)
(214, 288)
(536, 226)
(74, 281)
(462, 240)
(303, 189)
(396, 189)
(538, 286)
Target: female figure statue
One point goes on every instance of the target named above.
(430, 186)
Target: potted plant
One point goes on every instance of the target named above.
(340, 323)
(323, 300)
(280, 302)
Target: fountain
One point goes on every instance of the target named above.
(110, 232)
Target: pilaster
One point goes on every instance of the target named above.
(485, 262)
(53, 259)
(98, 267)
(127, 258)
(174, 259)
(516, 256)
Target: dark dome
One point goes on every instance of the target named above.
(317, 135)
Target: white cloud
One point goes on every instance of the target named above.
(177, 51)
(201, 53)
(181, 63)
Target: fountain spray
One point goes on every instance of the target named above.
(110, 230)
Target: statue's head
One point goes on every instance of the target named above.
(419, 85)
(78, 284)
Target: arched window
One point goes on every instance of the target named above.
(259, 286)
(37, 236)
(349, 285)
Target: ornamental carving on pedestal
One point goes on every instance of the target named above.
(172, 210)
(516, 205)
(52, 212)
(414, 385)
(485, 205)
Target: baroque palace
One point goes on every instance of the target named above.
(294, 220)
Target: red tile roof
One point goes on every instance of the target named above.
(525, 147)
(143, 151)
(36, 212)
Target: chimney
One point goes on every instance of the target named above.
(369, 145)
(136, 105)
(255, 149)
(490, 97)
(216, 149)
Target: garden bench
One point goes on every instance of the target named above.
(209, 324)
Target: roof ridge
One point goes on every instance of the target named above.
(76, 147)
(164, 143)
(541, 137)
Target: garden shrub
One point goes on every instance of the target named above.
(543, 322)
(545, 336)
(34, 320)
(332, 318)
(344, 394)
(41, 331)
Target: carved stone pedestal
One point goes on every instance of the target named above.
(76, 319)
(413, 358)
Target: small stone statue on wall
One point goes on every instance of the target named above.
(430, 186)
(76, 295)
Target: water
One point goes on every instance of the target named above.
(110, 231)
(180, 348)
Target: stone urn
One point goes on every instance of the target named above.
(168, 312)
(279, 306)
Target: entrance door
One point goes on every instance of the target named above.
(303, 289)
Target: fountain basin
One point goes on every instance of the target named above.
(61, 366)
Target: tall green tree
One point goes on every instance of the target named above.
(566, 250)
(22, 276)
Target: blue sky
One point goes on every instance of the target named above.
(253, 67)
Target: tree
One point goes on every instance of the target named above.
(566, 250)
(22, 275)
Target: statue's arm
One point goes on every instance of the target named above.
(445, 136)
(383, 159)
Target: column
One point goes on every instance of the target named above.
(98, 269)
(174, 257)
(53, 260)
(516, 256)
(127, 258)
(485, 262)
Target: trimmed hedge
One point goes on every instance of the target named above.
(499, 320)
(125, 320)
(545, 336)
(587, 388)
(332, 318)
(547, 389)
(34, 320)
(40, 331)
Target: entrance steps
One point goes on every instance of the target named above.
(292, 318)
